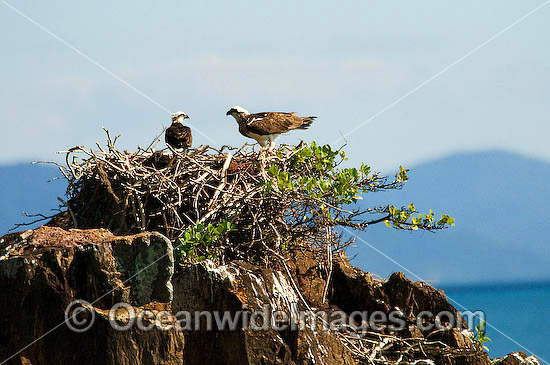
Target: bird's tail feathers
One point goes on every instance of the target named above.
(306, 122)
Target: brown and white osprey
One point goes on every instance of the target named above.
(266, 127)
(177, 135)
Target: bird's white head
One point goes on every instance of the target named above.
(237, 110)
(179, 116)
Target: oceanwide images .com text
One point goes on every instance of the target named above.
(80, 317)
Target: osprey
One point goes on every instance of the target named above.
(177, 135)
(266, 127)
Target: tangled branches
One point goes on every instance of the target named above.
(377, 348)
(230, 203)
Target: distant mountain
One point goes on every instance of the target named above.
(499, 200)
(25, 187)
(500, 203)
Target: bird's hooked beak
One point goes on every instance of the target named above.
(237, 110)
(178, 117)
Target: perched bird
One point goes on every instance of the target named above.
(266, 127)
(177, 135)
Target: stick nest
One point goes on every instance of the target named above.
(167, 191)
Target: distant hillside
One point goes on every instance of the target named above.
(498, 200)
(500, 203)
(25, 187)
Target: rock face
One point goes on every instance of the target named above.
(42, 271)
(237, 286)
(197, 314)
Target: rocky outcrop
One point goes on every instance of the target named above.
(517, 358)
(134, 307)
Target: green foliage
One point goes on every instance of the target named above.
(404, 218)
(480, 338)
(201, 242)
(313, 172)
(325, 180)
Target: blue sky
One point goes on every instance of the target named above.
(341, 62)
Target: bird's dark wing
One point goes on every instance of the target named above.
(276, 123)
(178, 136)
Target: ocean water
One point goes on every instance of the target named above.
(518, 313)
